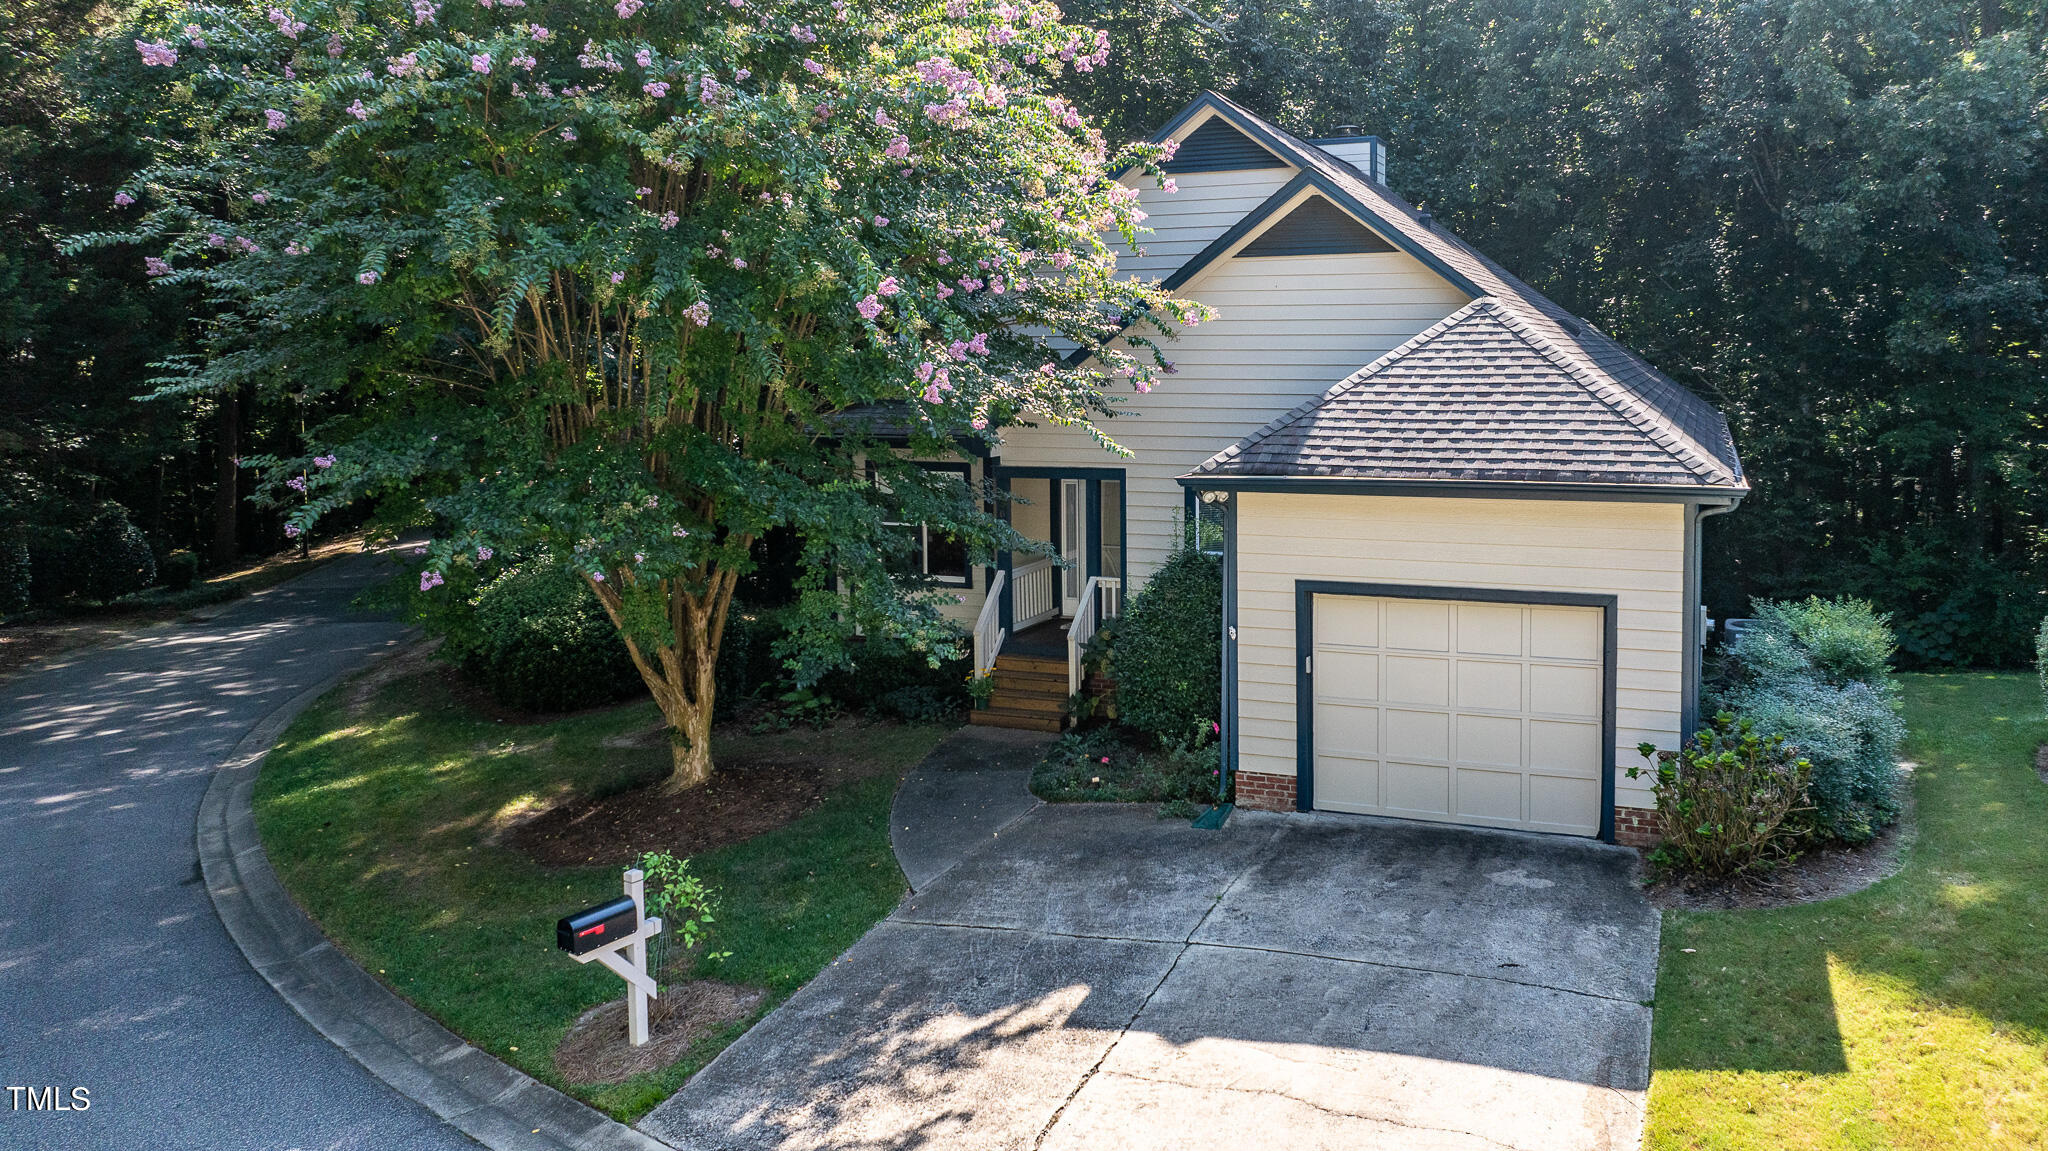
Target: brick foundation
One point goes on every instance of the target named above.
(1636, 827)
(1262, 792)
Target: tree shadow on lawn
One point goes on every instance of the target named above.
(1960, 929)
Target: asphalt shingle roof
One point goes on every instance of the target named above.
(1513, 387)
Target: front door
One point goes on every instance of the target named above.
(1073, 543)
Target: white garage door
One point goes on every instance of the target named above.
(1466, 712)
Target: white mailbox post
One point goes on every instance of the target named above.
(625, 954)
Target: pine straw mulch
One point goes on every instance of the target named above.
(1823, 873)
(748, 795)
(595, 1050)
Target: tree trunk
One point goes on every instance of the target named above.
(681, 676)
(227, 505)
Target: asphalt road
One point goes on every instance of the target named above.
(115, 974)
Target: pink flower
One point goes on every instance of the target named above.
(429, 580)
(698, 313)
(366, 277)
(934, 394)
(969, 284)
(523, 60)
(655, 88)
(978, 424)
(802, 35)
(668, 220)
(291, 531)
(888, 286)
(569, 134)
(644, 57)
(923, 372)
(123, 199)
(539, 34)
(881, 221)
(618, 277)
(1169, 187)
(154, 266)
(423, 12)
(740, 75)
(945, 292)
(296, 249)
(882, 119)
(296, 483)
(626, 8)
(334, 46)
(815, 69)
(898, 148)
(323, 461)
(979, 344)
(597, 576)
(247, 244)
(1105, 759)
(483, 553)
(273, 118)
(285, 24)
(216, 240)
(260, 197)
(196, 35)
(358, 111)
(708, 89)
(738, 263)
(156, 53)
(869, 307)
(480, 63)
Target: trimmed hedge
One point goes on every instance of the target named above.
(1168, 655)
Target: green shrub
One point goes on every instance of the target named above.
(1815, 673)
(747, 665)
(1106, 764)
(538, 640)
(1728, 801)
(180, 570)
(877, 667)
(920, 703)
(16, 576)
(114, 557)
(1168, 657)
(55, 572)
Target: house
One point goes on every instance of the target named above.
(1460, 526)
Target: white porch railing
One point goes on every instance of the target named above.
(1107, 595)
(1034, 594)
(988, 626)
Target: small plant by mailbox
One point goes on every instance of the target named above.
(616, 935)
(593, 927)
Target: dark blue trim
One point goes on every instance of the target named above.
(1689, 666)
(1003, 556)
(1467, 489)
(1093, 500)
(1228, 738)
(1305, 592)
(1056, 473)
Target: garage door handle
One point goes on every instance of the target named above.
(1308, 665)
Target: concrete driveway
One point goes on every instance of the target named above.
(1096, 977)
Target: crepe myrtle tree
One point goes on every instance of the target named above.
(595, 280)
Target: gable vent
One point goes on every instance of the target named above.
(1317, 228)
(1218, 147)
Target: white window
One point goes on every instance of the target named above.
(935, 554)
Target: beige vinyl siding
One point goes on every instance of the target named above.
(1633, 551)
(1184, 222)
(1289, 328)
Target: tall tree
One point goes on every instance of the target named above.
(602, 279)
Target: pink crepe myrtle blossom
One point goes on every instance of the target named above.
(1170, 187)
(420, 551)
(815, 69)
(423, 12)
(334, 46)
(289, 27)
(957, 349)
(483, 552)
(326, 461)
(155, 266)
(933, 394)
(366, 277)
(523, 60)
(247, 245)
(156, 53)
(296, 249)
(216, 240)
(995, 284)
(889, 285)
(429, 580)
(403, 66)
(540, 35)
(618, 277)
(480, 63)
(979, 344)
(626, 8)
(597, 577)
(291, 531)
(802, 35)
(668, 220)
(644, 57)
(739, 263)
(643, 191)
(970, 284)
(881, 221)
(123, 199)
(882, 119)
(942, 257)
(699, 313)
(260, 197)
(945, 293)
(839, 10)
(708, 89)
(358, 111)
(978, 424)
(956, 9)
(924, 371)
(898, 149)
(655, 88)
(569, 135)
(273, 119)
(296, 483)
(741, 76)
(195, 35)
(868, 307)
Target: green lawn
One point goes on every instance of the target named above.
(380, 816)
(1911, 1015)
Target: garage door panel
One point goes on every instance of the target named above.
(1348, 619)
(1494, 686)
(1490, 739)
(1347, 783)
(1470, 712)
(1349, 674)
(1418, 625)
(1417, 679)
(1344, 729)
(1570, 748)
(1565, 633)
(1567, 805)
(1418, 734)
(1417, 788)
(1494, 796)
(1489, 629)
(1568, 690)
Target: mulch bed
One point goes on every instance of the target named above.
(596, 1051)
(1825, 873)
(745, 798)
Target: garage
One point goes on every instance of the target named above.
(1462, 586)
(1460, 710)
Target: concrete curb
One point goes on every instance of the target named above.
(498, 1106)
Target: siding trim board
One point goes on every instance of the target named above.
(1305, 593)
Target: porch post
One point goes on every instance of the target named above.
(1092, 507)
(1003, 556)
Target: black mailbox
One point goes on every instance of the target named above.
(593, 927)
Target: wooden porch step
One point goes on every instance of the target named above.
(1032, 682)
(1037, 664)
(1012, 701)
(993, 716)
